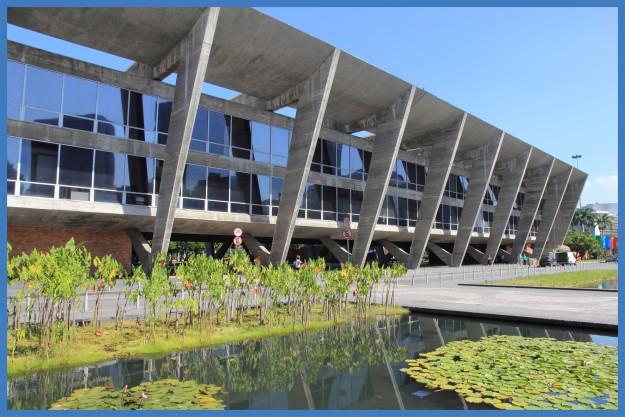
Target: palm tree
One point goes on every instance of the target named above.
(585, 217)
(604, 221)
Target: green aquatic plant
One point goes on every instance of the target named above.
(164, 394)
(513, 372)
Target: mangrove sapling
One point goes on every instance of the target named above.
(131, 293)
(155, 289)
(106, 272)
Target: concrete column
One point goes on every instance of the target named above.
(256, 248)
(191, 74)
(566, 212)
(388, 137)
(338, 251)
(399, 254)
(142, 248)
(481, 172)
(554, 194)
(514, 173)
(308, 122)
(441, 159)
(535, 184)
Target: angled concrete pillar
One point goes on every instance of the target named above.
(399, 254)
(222, 250)
(142, 248)
(312, 101)
(477, 255)
(566, 212)
(556, 188)
(514, 173)
(441, 159)
(338, 251)
(191, 72)
(389, 133)
(481, 172)
(256, 248)
(441, 253)
(535, 184)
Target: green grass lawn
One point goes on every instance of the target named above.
(581, 279)
(86, 348)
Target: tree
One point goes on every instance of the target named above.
(585, 217)
(604, 221)
(582, 242)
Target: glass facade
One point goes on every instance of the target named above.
(484, 222)
(534, 229)
(491, 195)
(457, 186)
(447, 217)
(512, 226)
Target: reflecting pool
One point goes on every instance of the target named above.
(343, 367)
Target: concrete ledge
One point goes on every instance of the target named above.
(537, 288)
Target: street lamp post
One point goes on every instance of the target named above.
(577, 158)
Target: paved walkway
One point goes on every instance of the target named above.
(594, 309)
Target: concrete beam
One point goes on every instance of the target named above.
(308, 120)
(187, 46)
(399, 254)
(566, 212)
(389, 136)
(478, 255)
(441, 159)
(514, 173)
(222, 250)
(556, 188)
(256, 248)
(535, 185)
(338, 251)
(481, 172)
(191, 73)
(441, 253)
(142, 249)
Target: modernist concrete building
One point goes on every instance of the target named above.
(116, 158)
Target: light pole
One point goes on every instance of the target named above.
(577, 158)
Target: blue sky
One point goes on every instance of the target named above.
(545, 75)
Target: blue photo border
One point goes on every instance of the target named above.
(292, 3)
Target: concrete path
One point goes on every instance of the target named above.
(593, 309)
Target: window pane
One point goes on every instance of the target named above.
(356, 201)
(276, 190)
(157, 176)
(241, 133)
(140, 174)
(356, 166)
(200, 128)
(313, 196)
(219, 128)
(41, 116)
(261, 188)
(344, 154)
(329, 198)
(343, 200)
(110, 170)
(329, 153)
(107, 197)
(239, 187)
(38, 161)
(78, 123)
(37, 190)
(75, 166)
(79, 97)
(112, 105)
(164, 114)
(194, 181)
(142, 112)
(218, 184)
(280, 141)
(13, 149)
(15, 82)
(43, 89)
(260, 139)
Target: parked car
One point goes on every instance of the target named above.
(548, 260)
(565, 258)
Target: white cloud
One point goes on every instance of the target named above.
(602, 189)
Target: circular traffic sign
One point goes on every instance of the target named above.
(238, 240)
(238, 232)
(347, 234)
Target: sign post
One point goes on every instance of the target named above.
(238, 240)
(347, 234)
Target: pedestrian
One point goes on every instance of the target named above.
(297, 263)
(490, 260)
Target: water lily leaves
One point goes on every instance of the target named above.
(513, 372)
(164, 394)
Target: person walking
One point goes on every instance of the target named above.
(490, 260)
(297, 263)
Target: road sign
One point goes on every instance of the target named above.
(346, 224)
(238, 232)
(347, 234)
(238, 240)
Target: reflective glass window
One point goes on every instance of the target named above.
(194, 181)
(356, 201)
(343, 200)
(140, 174)
(15, 82)
(163, 114)
(241, 136)
(261, 189)
(343, 156)
(75, 167)
(313, 197)
(79, 97)
(329, 198)
(239, 187)
(218, 187)
(280, 139)
(110, 169)
(158, 172)
(41, 116)
(112, 107)
(38, 161)
(276, 190)
(142, 113)
(43, 89)
(13, 149)
(200, 128)
(261, 143)
(219, 128)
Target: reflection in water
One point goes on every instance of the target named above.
(342, 367)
